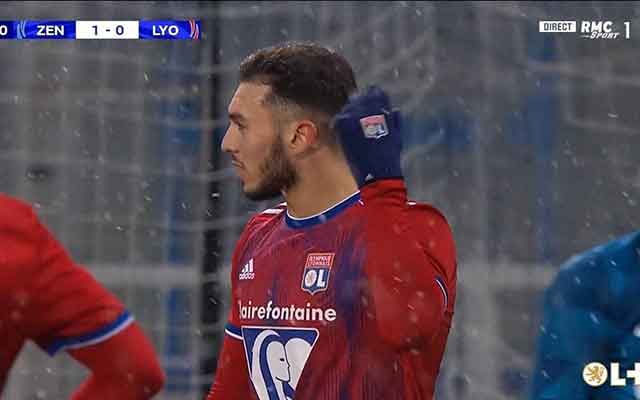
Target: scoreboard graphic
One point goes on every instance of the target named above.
(72, 30)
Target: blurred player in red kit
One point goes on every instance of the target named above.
(347, 290)
(47, 298)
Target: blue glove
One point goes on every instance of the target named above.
(371, 136)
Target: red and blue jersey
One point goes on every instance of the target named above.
(353, 303)
(44, 296)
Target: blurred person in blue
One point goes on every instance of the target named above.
(591, 314)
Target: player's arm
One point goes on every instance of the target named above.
(408, 283)
(407, 280)
(68, 310)
(122, 367)
(231, 375)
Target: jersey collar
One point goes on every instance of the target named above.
(322, 216)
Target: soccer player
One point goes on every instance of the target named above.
(591, 314)
(346, 291)
(47, 298)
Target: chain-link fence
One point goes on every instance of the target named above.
(526, 141)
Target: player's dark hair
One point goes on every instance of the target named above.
(303, 74)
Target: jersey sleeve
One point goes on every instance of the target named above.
(122, 367)
(231, 379)
(410, 265)
(66, 307)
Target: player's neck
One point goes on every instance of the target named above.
(320, 186)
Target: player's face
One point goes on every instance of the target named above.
(256, 147)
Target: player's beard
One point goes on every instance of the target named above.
(277, 174)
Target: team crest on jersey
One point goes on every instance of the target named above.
(374, 126)
(276, 357)
(316, 272)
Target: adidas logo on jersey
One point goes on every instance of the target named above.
(247, 271)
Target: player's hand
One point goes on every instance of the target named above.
(371, 136)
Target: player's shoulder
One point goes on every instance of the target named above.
(601, 273)
(18, 237)
(609, 256)
(256, 227)
(15, 213)
(427, 214)
(264, 218)
(10, 205)
(269, 214)
(622, 250)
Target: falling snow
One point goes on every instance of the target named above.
(116, 146)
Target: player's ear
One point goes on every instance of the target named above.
(304, 136)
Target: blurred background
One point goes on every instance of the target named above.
(528, 142)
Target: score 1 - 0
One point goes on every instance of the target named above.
(107, 30)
